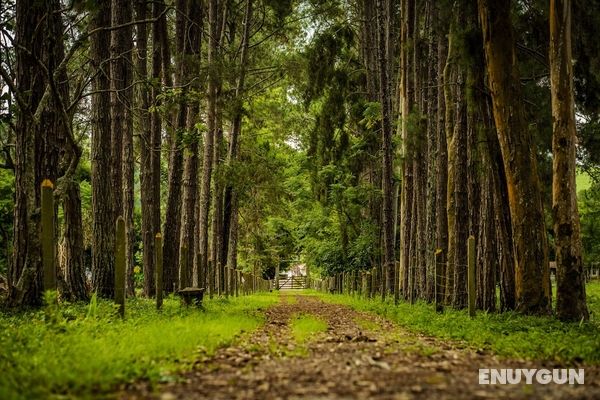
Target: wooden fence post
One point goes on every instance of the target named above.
(396, 284)
(438, 296)
(48, 255)
(471, 277)
(120, 266)
(158, 260)
(225, 280)
(183, 269)
(375, 282)
(213, 278)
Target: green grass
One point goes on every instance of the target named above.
(366, 324)
(506, 334)
(305, 326)
(82, 350)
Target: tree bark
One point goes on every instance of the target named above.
(151, 156)
(441, 161)
(406, 104)
(143, 132)
(122, 124)
(570, 289)
(449, 76)
(387, 150)
(529, 237)
(190, 162)
(217, 207)
(431, 148)
(173, 222)
(207, 161)
(73, 244)
(103, 230)
(38, 131)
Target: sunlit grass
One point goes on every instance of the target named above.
(73, 350)
(305, 326)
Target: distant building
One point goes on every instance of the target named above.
(296, 270)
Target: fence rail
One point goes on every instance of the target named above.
(293, 282)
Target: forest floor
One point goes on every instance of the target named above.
(350, 355)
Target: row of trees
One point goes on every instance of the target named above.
(375, 133)
(463, 158)
(162, 89)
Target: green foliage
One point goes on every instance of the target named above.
(7, 184)
(80, 350)
(507, 334)
(371, 114)
(589, 212)
(281, 9)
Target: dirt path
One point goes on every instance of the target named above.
(361, 356)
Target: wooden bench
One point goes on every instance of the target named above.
(191, 294)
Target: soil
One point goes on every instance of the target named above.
(360, 356)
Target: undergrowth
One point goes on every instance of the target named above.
(507, 334)
(86, 349)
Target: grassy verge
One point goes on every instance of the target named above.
(79, 350)
(304, 326)
(506, 334)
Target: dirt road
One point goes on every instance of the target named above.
(360, 356)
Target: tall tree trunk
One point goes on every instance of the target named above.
(372, 169)
(172, 228)
(39, 129)
(218, 266)
(449, 76)
(387, 150)
(122, 124)
(103, 230)
(480, 216)
(419, 139)
(458, 145)
(117, 107)
(456, 139)
(503, 230)
(142, 128)
(151, 155)
(406, 104)
(441, 236)
(570, 278)
(431, 111)
(475, 119)
(217, 207)
(189, 222)
(207, 161)
(518, 152)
